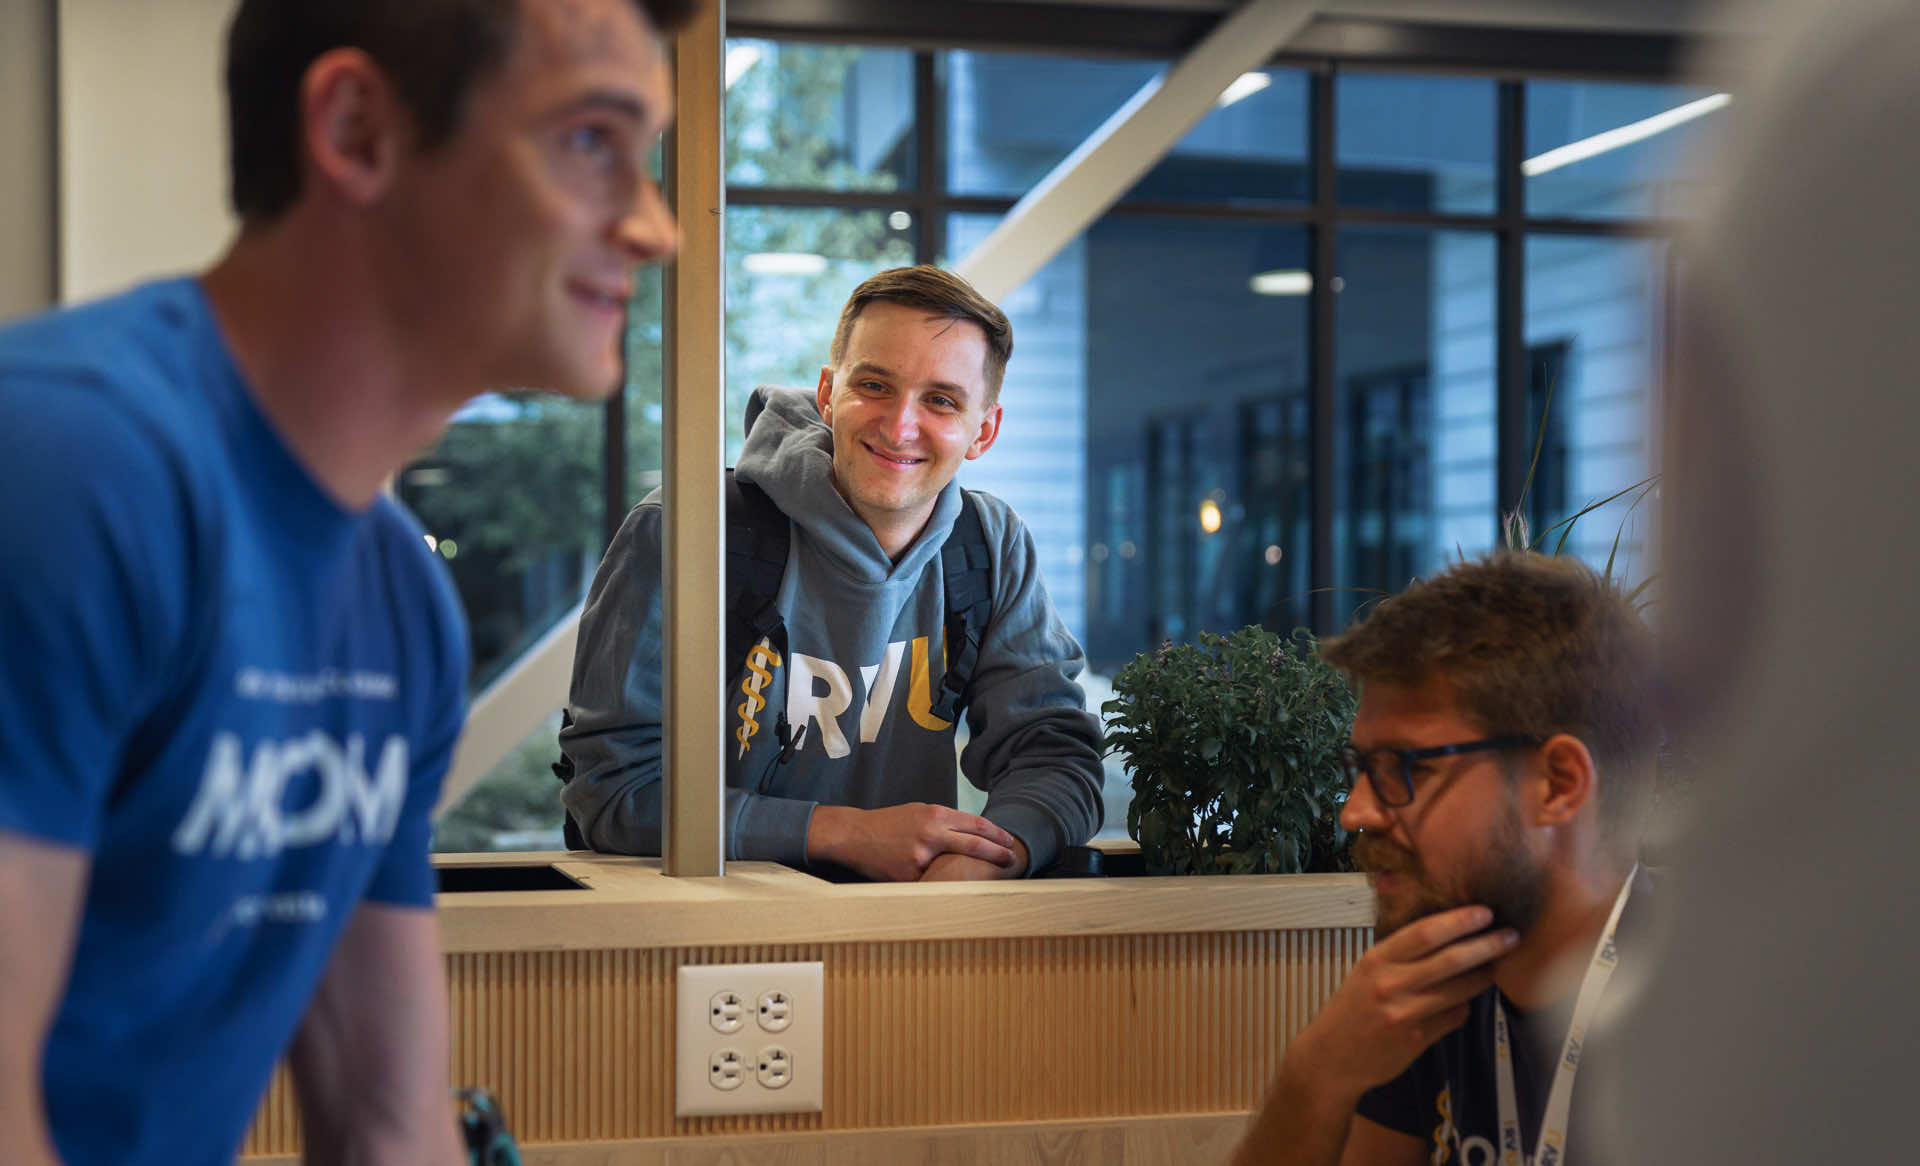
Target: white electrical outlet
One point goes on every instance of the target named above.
(717, 1026)
(775, 1011)
(726, 1012)
(727, 1070)
(775, 1067)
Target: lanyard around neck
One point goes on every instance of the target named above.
(1551, 1147)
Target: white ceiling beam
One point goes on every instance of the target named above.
(1682, 17)
(510, 709)
(1140, 133)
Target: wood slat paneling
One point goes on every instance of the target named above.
(1153, 1141)
(578, 1045)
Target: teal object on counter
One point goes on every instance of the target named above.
(483, 1129)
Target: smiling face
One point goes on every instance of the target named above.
(511, 249)
(908, 404)
(1462, 840)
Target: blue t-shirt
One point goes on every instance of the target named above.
(237, 697)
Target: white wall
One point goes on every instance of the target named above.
(142, 152)
(26, 144)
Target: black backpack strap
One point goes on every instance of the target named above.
(757, 536)
(968, 569)
(758, 533)
(757, 539)
(563, 769)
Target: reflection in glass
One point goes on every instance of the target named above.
(789, 272)
(644, 346)
(1415, 143)
(1602, 150)
(1156, 430)
(512, 495)
(1415, 423)
(516, 806)
(1250, 150)
(1593, 326)
(819, 117)
(1011, 118)
(1155, 436)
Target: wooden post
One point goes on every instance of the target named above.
(693, 449)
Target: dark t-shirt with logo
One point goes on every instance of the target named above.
(1449, 1097)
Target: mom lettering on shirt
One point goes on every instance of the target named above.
(241, 809)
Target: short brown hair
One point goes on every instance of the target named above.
(941, 293)
(1529, 645)
(436, 51)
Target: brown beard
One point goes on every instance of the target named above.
(1505, 879)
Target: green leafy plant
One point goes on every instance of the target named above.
(1231, 744)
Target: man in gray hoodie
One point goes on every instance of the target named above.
(841, 760)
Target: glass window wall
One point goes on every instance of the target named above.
(1011, 118)
(819, 117)
(1409, 143)
(1613, 151)
(1594, 308)
(1177, 367)
(789, 270)
(1415, 406)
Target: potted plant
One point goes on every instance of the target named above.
(1232, 747)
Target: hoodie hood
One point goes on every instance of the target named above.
(789, 454)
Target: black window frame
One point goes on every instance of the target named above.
(1510, 58)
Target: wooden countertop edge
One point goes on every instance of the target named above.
(1182, 1131)
(629, 903)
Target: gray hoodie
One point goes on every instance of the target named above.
(864, 656)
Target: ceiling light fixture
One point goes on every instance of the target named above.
(1243, 86)
(785, 263)
(1282, 283)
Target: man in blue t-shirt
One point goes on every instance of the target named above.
(231, 676)
(1500, 759)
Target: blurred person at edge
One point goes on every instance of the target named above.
(231, 674)
(1500, 762)
(1782, 1022)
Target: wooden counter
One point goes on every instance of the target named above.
(1132, 1018)
(631, 904)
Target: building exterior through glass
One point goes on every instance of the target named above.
(1365, 264)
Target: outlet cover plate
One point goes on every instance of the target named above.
(804, 1038)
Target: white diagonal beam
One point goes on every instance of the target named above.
(1105, 166)
(513, 706)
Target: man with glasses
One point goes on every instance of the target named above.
(1506, 739)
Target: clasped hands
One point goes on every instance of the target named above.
(914, 841)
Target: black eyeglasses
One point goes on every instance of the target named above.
(1391, 770)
